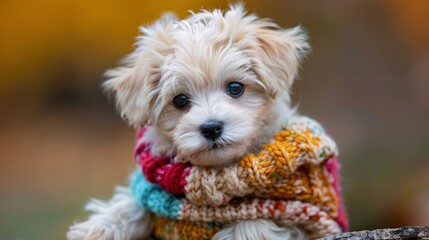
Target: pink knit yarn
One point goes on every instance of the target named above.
(333, 168)
(160, 170)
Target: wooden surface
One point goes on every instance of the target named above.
(387, 233)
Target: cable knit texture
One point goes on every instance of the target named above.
(292, 180)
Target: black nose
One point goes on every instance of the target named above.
(211, 129)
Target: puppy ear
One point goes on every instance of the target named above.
(278, 55)
(134, 86)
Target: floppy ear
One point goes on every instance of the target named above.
(134, 86)
(278, 55)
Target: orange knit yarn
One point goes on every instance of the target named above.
(170, 229)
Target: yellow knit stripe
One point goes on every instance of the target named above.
(175, 229)
(308, 184)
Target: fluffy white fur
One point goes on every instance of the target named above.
(198, 57)
(120, 218)
(258, 230)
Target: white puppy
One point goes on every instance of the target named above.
(210, 89)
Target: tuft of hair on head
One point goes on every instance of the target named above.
(275, 53)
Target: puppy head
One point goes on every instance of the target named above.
(207, 82)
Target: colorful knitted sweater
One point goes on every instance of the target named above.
(293, 180)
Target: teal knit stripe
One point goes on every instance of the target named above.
(154, 198)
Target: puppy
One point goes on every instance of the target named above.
(209, 89)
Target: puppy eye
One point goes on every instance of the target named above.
(180, 101)
(235, 89)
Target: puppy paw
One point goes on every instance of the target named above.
(161, 150)
(179, 159)
(261, 229)
(120, 218)
(90, 230)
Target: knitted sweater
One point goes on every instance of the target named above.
(293, 180)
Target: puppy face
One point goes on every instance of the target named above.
(214, 105)
(207, 83)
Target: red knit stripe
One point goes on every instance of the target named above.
(160, 170)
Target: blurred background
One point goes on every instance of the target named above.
(61, 142)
